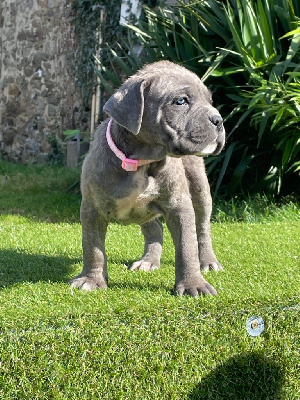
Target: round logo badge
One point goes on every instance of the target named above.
(255, 326)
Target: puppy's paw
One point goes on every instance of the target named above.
(88, 283)
(143, 265)
(209, 262)
(211, 266)
(194, 289)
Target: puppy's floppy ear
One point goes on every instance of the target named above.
(126, 105)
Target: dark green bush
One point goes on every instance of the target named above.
(247, 52)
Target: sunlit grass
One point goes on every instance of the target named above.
(136, 340)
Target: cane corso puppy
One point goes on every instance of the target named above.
(145, 161)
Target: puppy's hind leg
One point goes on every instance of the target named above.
(153, 235)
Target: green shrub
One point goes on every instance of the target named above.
(247, 51)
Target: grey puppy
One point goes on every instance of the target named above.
(162, 123)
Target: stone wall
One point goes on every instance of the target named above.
(37, 93)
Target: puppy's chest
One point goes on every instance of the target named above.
(134, 208)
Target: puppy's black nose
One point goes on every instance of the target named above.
(216, 120)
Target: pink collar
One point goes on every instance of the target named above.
(127, 163)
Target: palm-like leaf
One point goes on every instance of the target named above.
(248, 52)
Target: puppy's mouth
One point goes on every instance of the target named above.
(194, 143)
(213, 148)
(209, 149)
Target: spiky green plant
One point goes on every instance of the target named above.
(245, 50)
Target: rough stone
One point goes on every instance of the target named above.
(8, 136)
(18, 144)
(51, 110)
(13, 108)
(38, 58)
(54, 99)
(14, 90)
(46, 146)
(32, 145)
(38, 98)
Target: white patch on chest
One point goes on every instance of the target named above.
(136, 204)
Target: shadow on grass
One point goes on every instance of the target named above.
(134, 280)
(18, 267)
(139, 286)
(243, 377)
(44, 193)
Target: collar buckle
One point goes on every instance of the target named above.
(130, 165)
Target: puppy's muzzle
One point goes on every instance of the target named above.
(217, 144)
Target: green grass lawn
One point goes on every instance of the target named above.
(136, 340)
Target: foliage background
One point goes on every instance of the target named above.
(247, 52)
(86, 18)
(96, 36)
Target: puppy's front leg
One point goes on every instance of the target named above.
(94, 274)
(202, 202)
(188, 278)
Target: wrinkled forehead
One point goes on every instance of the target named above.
(185, 83)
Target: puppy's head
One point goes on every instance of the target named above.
(168, 105)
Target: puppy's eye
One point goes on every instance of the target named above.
(182, 101)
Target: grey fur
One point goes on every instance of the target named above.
(148, 124)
